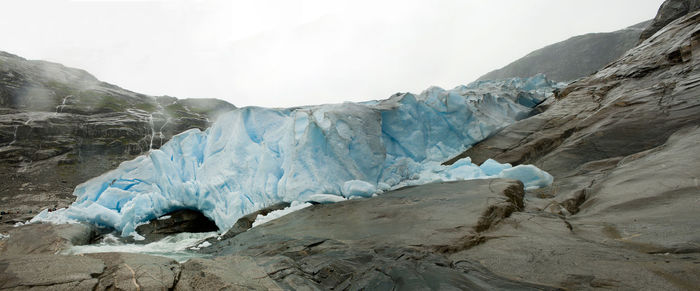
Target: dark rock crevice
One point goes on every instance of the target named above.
(185, 220)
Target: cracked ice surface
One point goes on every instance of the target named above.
(254, 157)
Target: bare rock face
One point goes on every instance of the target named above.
(622, 145)
(632, 105)
(125, 271)
(49, 272)
(233, 272)
(632, 228)
(669, 11)
(461, 210)
(102, 271)
(399, 240)
(61, 126)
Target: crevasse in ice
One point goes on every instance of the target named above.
(254, 157)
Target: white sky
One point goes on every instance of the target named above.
(297, 52)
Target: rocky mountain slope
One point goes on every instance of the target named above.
(621, 214)
(573, 58)
(622, 145)
(60, 126)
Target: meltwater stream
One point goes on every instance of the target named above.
(180, 247)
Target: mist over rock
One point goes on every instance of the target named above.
(573, 58)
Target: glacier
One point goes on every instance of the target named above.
(254, 157)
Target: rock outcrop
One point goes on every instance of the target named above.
(573, 58)
(399, 240)
(61, 126)
(622, 145)
(632, 105)
(669, 11)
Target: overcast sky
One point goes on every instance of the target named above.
(297, 52)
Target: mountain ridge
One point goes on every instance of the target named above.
(574, 57)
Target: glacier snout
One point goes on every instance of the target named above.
(255, 157)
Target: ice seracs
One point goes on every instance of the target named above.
(255, 157)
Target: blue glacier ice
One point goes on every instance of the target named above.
(254, 157)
